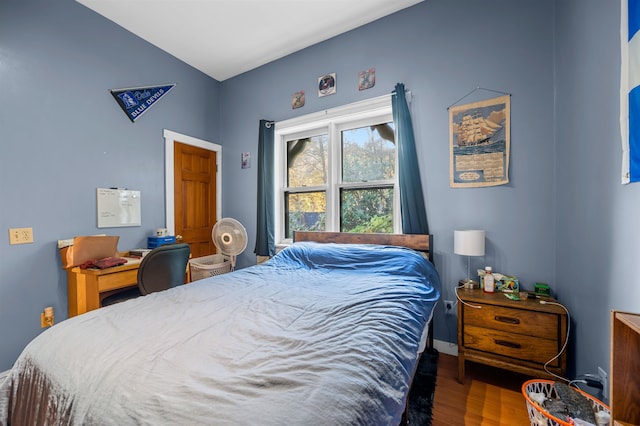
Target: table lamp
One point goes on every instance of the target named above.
(468, 243)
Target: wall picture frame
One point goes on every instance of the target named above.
(366, 79)
(297, 100)
(327, 85)
(479, 142)
(245, 160)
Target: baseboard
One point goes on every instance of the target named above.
(445, 347)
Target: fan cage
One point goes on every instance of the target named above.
(538, 416)
(229, 227)
(208, 266)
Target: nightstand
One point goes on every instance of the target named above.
(516, 335)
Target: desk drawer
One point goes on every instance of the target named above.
(118, 280)
(525, 348)
(521, 321)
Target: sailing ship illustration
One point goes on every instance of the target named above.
(474, 129)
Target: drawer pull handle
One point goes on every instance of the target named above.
(508, 344)
(508, 320)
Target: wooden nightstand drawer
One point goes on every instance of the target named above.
(538, 324)
(512, 345)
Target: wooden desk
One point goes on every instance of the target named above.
(86, 287)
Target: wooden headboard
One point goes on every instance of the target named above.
(418, 242)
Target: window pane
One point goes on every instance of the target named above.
(368, 153)
(305, 212)
(366, 210)
(307, 161)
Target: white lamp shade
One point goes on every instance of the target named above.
(468, 242)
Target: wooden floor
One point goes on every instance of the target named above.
(489, 396)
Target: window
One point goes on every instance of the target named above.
(336, 171)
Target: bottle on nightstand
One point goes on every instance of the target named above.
(489, 284)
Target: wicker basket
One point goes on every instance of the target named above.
(208, 266)
(541, 417)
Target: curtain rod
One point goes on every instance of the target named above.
(374, 102)
(407, 94)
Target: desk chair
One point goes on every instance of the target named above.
(162, 268)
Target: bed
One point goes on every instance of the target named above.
(326, 332)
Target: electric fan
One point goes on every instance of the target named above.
(230, 237)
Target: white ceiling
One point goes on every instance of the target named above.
(224, 38)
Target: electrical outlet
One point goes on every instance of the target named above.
(47, 317)
(20, 235)
(605, 382)
(448, 307)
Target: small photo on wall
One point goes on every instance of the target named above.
(327, 85)
(245, 160)
(297, 99)
(367, 79)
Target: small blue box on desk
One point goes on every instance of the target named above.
(153, 242)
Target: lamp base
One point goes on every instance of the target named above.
(468, 283)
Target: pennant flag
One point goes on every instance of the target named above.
(137, 100)
(630, 90)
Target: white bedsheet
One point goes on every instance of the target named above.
(292, 341)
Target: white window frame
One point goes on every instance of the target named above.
(331, 121)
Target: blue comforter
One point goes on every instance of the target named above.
(322, 334)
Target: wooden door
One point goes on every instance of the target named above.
(195, 197)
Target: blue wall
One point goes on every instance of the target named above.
(63, 135)
(562, 219)
(598, 233)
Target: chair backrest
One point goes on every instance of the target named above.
(163, 267)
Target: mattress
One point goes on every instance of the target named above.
(320, 334)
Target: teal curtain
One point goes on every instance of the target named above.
(412, 207)
(265, 241)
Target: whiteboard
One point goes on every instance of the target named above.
(118, 207)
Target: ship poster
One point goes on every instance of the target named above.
(479, 136)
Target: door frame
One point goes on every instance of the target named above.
(170, 137)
